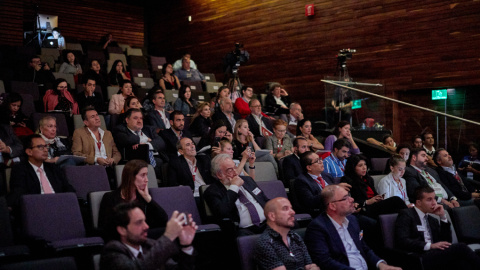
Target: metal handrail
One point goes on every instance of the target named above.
(401, 102)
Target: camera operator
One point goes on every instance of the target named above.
(233, 59)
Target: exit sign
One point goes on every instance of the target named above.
(439, 94)
(357, 104)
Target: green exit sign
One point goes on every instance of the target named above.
(439, 94)
(357, 104)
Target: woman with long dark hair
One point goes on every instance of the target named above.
(185, 103)
(169, 81)
(217, 132)
(342, 130)
(304, 129)
(11, 113)
(118, 73)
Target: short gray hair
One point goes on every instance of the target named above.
(294, 104)
(217, 161)
(328, 193)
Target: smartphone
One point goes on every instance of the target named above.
(217, 140)
(185, 221)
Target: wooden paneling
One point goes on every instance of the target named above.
(11, 23)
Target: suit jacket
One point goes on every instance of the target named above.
(84, 145)
(116, 255)
(291, 167)
(414, 179)
(221, 116)
(272, 106)
(255, 128)
(326, 247)
(200, 126)
(308, 192)
(10, 139)
(155, 120)
(170, 139)
(24, 180)
(125, 138)
(449, 180)
(222, 201)
(407, 236)
(179, 171)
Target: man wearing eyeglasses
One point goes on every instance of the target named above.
(309, 184)
(35, 176)
(259, 125)
(334, 238)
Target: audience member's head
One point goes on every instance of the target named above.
(36, 149)
(71, 58)
(397, 166)
(425, 198)
(129, 223)
(59, 86)
(56, 33)
(186, 147)
(134, 119)
(255, 107)
(279, 128)
(223, 168)
(418, 158)
(158, 99)
(341, 148)
(223, 92)
(185, 93)
(247, 92)
(89, 85)
(125, 88)
(95, 66)
(296, 111)
(177, 121)
(311, 163)
(47, 126)
(442, 158)
(131, 102)
(417, 141)
(342, 130)
(226, 147)
(203, 109)
(241, 129)
(186, 63)
(134, 176)
(304, 128)
(90, 117)
(337, 201)
(34, 61)
(388, 140)
(13, 103)
(300, 145)
(226, 105)
(356, 167)
(473, 150)
(117, 67)
(427, 139)
(275, 89)
(279, 214)
(403, 150)
(167, 69)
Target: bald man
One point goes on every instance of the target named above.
(279, 247)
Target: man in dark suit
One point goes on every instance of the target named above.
(417, 231)
(291, 165)
(235, 197)
(309, 184)
(174, 133)
(133, 250)
(417, 173)
(226, 114)
(133, 133)
(158, 117)
(188, 169)
(35, 176)
(334, 239)
(293, 118)
(259, 125)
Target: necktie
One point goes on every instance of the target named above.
(459, 179)
(321, 181)
(44, 182)
(150, 153)
(251, 208)
(428, 237)
(140, 256)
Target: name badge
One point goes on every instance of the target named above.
(189, 75)
(256, 191)
(420, 228)
(360, 235)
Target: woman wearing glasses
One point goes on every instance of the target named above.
(280, 143)
(363, 190)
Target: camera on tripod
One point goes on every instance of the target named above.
(345, 54)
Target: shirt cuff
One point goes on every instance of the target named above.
(188, 250)
(10, 150)
(427, 246)
(381, 261)
(95, 160)
(234, 188)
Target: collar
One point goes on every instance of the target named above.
(451, 170)
(338, 226)
(136, 133)
(101, 131)
(275, 234)
(190, 163)
(314, 176)
(429, 151)
(416, 168)
(420, 213)
(35, 168)
(134, 250)
(48, 141)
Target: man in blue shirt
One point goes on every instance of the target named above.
(335, 163)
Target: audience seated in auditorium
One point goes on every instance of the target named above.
(57, 146)
(222, 92)
(134, 188)
(169, 80)
(213, 137)
(416, 230)
(56, 34)
(277, 101)
(279, 143)
(243, 139)
(291, 164)
(336, 161)
(108, 41)
(185, 103)
(449, 176)
(189, 169)
(34, 175)
(417, 141)
(235, 197)
(132, 133)
(201, 120)
(279, 246)
(304, 129)
(189, 73)
(292, 118)
(59, 98)
(118, 73)
(428, 144)
(261, 126)
(403, 150)
(117, 101)
(37, 72)
(131, 248)
(174, 133)
(71, 66)
(147, 102)
(178, 64)
(342, 130)
(99, 75)
(393, 184)
(334, 238)
(417, 173)
(94, 143)
(227, 148)
(363, 190)
(387, 142)
(469, 166)
(159, 116)
(226, 114)
(309, 184)
(234, 85)
(88, 97)
(11, 114)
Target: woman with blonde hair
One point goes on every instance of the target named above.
(201, 120)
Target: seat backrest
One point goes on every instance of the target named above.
(50, 51)
(261, 142)
(138, 62)
(2, 87)
(212, 87)
(209, 77)
(94, 200)
(387, 224)
(78, 122)
(51, 217)
(29, 88)
(67, 77)
(96, 55)
(114, 50)
(194, 85)
(112, 90)
(178, 198)
(28, 105)
(6, 235)
(467, 222)
(49, 59)
(124, 46)
(201, 96)
(146, 83)
(378, 164)
(141, 73)
(171, 95)
(80, 177)
(62, 126)
(264, 171)
(246, 246)
(134, 51)
(152, 179)
(376, 180)
(51, 264)
(208, 212)
(273, 189)
(74, 47)
(157, 62)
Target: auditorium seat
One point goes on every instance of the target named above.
(62, 127)
(78, 122)
(68, 77)
(60, 263)
(157, 62)
(29, 88)
(124, 46)
(140, 73)
(194, 85)
(28, 105)
(112, 90)
(146, 83)
(138, 62)
(212, 87)
(50, 51)
(209, 77)
(81, 178)
(2, 87)
(74, 47)
(94, 200)
(264, 171)
(134, 51)
(115, 50)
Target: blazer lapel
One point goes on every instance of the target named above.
(335, 237)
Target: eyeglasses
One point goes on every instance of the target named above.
(319, 161)
(346, 197)
(41, 147)
(258, 106)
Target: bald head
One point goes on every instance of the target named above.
(279, 214)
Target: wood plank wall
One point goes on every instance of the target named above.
(408, 45)
(86, 20)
